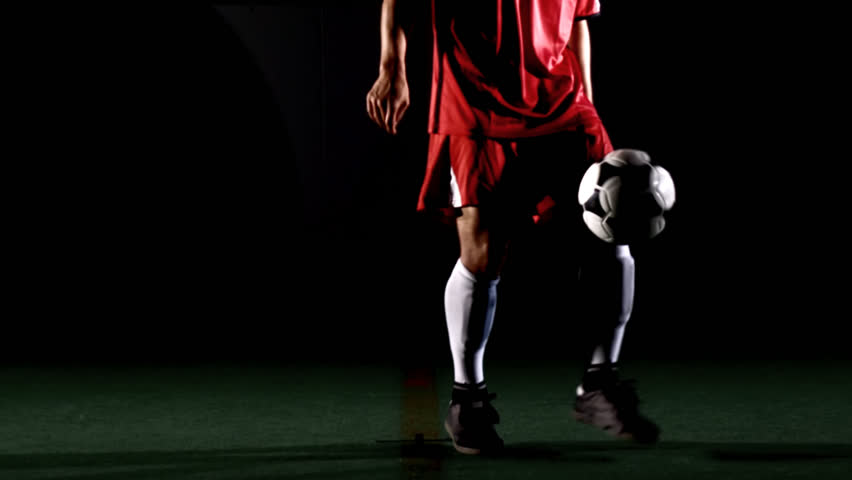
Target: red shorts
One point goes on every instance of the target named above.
(526, 176)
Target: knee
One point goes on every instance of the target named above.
(608, 280)
(624, 257)
(478, 257)
(483, 249)
(606, 260)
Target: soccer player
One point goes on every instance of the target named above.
(512, 129)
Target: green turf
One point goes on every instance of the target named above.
(732, 420)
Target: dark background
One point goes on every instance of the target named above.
(203, 182)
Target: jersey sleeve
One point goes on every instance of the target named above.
(587, 9)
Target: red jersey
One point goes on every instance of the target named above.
(503, 69)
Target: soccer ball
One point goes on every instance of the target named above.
(624, 197)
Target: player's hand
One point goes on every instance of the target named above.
(388, 100)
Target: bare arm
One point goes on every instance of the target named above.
(581, 44)
(393, 37)
(388, 100)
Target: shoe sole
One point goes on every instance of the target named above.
(609, 431)
(459, 448)
(652, 438)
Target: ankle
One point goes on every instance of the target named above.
(468, 392)
(599, 376)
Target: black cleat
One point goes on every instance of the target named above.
(612, 405)
(471, 419)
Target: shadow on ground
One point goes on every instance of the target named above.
(437, 459)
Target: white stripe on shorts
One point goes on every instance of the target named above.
(455, 195)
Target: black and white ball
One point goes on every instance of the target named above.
(624, 197)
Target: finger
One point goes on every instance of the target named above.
(371, 110)
(377, 113)
(390, 114)
(369, 107)
(399, 113)
(380, 115)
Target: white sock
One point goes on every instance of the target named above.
(619, 283)
(469, 304)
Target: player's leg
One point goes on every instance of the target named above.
(470, 302)
(607, 285)
(470, 298)
(471, 172)
(607, 281)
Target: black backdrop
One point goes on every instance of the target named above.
(204, 183)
